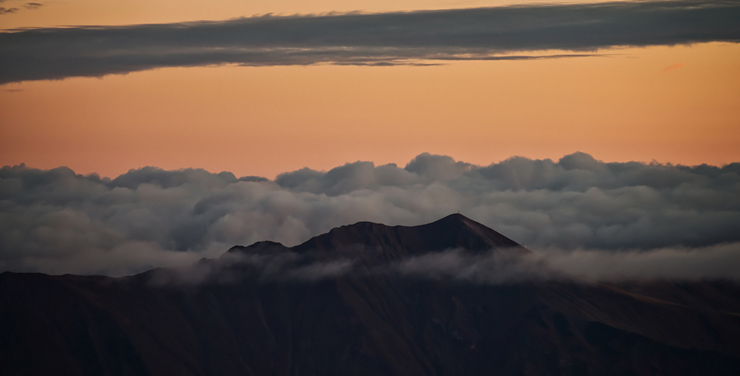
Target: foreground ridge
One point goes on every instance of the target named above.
(372, 323)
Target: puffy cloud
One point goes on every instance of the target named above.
(365, 39)
(57, 221)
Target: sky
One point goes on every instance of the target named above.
(234, 95)
(292, 111)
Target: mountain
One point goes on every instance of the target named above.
(373, 243)
(238, 315)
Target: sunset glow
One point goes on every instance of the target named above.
(671, 104)
(263, 121)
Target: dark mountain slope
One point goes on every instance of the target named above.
(381, 243)
(365, 324)
(453, 231)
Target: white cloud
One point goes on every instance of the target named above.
(53, 221)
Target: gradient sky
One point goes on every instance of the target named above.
(671, 103)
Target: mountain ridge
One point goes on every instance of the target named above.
(365, 323)
(454, 231)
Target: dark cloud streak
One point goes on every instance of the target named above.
(364, 39)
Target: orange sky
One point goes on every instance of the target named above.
(671, 104)
(115, 12)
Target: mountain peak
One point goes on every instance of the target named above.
(458, 219)
(261, 247)
(454, 231)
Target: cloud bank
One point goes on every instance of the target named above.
(56, 221)
(364, 39)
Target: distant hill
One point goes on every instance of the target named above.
(224, 317)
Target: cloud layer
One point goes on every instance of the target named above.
(56, 221)
(364, 39)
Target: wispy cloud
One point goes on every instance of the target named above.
(4, 10)
(365, 39)
(236, 267)
(715, 262)
(496, 267)
(673, 67)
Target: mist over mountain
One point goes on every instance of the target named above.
(56, 221)
(437, 299)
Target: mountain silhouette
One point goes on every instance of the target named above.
(361, 321)
(381, 243)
